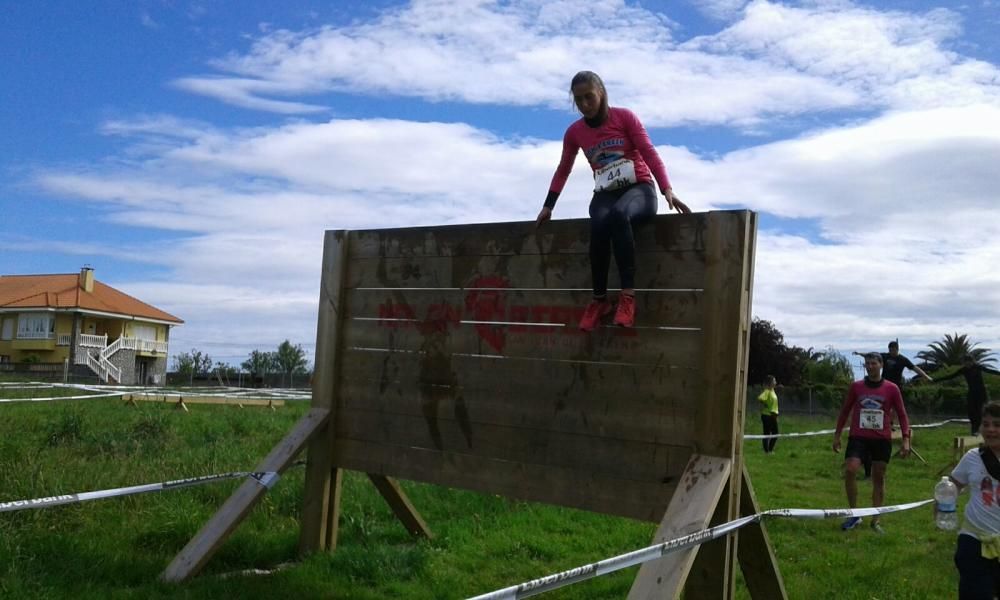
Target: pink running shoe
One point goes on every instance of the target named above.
(593, 313)
(625, 315)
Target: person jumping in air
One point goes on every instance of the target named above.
(625, 164)
(977, 395)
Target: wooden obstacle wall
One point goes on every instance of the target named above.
(460, 363)
(451, 355)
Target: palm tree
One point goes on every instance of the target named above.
(950, 351)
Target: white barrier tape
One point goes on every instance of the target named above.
(57, 398)
(616, 563)
(807, 513)
(756, 436)
(623, 561)
(267, 479)
(115, 390)
(939, 423)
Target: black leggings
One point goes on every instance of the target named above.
(612, 217)
(975, 401)
(770, 424)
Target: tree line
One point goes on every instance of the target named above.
(288, 360)
(795, 366)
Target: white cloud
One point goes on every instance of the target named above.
(246, 92)
(887, 58)
(903, 204)
(775, 60)
(722, 10)
(904, 207)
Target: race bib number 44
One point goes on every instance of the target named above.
(616, 175)
(871, 418)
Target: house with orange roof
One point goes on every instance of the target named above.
(93, 326)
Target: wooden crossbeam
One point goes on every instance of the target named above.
(755, 553)
(213, 534)
(401, 505)
(690, 510)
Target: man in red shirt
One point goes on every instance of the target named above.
(870, 403)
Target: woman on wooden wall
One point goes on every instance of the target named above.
(625, 164)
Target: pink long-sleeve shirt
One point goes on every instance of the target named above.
(872, 410)
(620, 137)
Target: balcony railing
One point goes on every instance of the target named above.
(140, 345)
(36, 335)
(89, 340)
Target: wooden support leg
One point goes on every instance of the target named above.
(204, 544)
(400, 505)
(711, 573)
(321, 495)
(690, 510)
(756, 556)
(333, 510)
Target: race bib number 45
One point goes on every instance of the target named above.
(871, 418)
(616, 175)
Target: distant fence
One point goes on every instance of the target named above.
(242, 380)
(51, 372)
(922, 400)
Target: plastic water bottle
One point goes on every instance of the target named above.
(946, 497)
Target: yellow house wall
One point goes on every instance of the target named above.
(47, 351)
(111, 327)
(161, 330)
(50, 351)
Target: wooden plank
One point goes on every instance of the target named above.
(335, 494)
(668, 233)
(654, 270)
(213, 534)
(608, 344)
(582, 489)
(401, 308)
(233, 400)
(756, 555)
(690, 510)
(628, 409)
(317, 503)
(713, 564)
(513, 373)
(400, 505)
(626, 459)
(728, 283)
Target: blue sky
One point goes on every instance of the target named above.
(194, 152)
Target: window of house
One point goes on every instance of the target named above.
(144, 332)
(34, 326)
(8, 330)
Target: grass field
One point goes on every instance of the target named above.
(116, 548)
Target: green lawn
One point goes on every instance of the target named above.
(116, 548)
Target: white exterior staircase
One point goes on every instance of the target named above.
(100, 362)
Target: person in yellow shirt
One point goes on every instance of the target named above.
(769, 413)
